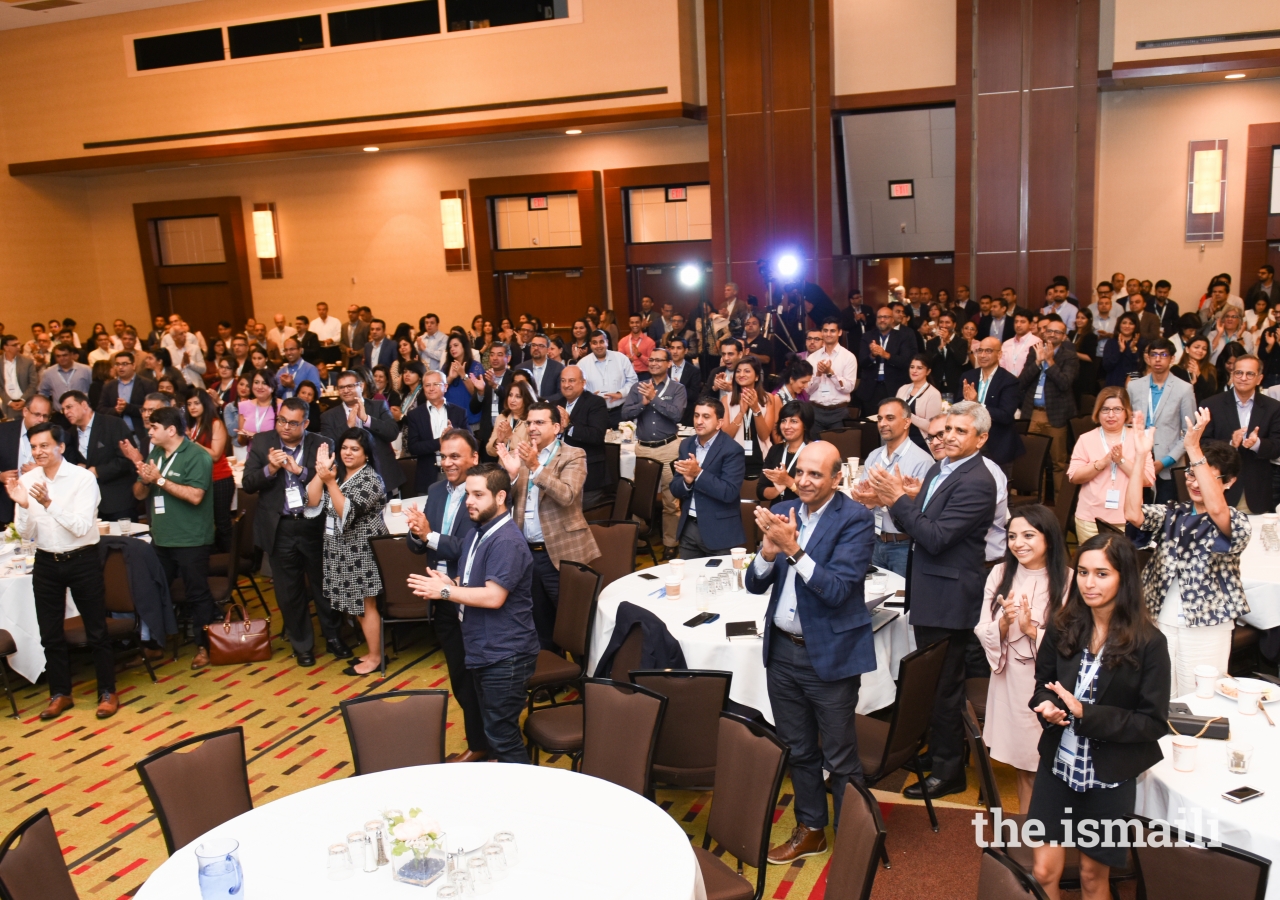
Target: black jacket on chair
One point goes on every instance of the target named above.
(1004, 396)
(589, 421)
(1255, 465)
(1128, 717)
(116, 472)
(382, 427)
(422, 444)
(133, 409)
(270, 488)
(10, 434)
(660, 649)
(148, 584)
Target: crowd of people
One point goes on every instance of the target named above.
(507, 426)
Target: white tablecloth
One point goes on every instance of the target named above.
(577, 837)
(18, 617)
(1254, 826)
(1260, 572)
(706, 647)
(398, 523)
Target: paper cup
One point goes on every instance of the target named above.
(853, 464)
(877, 584)
(104, 528)
(673, 588)
(738, 554)
(1247, 700)
(1206, 678)
(676, 568)
(1184, 753)
(395, 507)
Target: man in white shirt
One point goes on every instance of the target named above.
(101, 351)
(835, 373)
(608, 374)
(1105, 318)
(117, 339)
(431, 343)
(325, 327)
(1013, 352)
(56, 506)
(184, 352)
(281, 331)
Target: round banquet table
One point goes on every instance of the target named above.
(1196, 797)
(1260, 572)
(706, 647)
(577, 836)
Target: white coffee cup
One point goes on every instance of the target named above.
(676, 568)
(673, 587)
(395, 507)
(1184, 753)
(738, 554)
(1206, 680)
(1247, 699)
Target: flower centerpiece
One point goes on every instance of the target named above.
(417, 847)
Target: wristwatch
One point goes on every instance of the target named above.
(792, 560)
(161, 481)
(444, 593)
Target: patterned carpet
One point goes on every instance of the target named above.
(82, 769)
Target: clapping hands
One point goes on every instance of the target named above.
(326, 469)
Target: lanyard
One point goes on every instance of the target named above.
(787, 465)
(1086, 678)
(173, 457)
(983, 386)
(451, 506)
(259, 414)
(1106, 449)
(66, 379)
(480, 539)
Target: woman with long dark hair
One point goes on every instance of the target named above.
(257, 414)
(210, 432)
(1022, 592)
(459, 369)
(795, 421)
(1102, 695)
(751, 413)
(581, 344)
(1085, 340)
(1123, 354)
(509, 429)
(405, 354)
(1202, 373)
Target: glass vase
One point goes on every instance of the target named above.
(421, 867)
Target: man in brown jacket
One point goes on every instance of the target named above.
(549, 513)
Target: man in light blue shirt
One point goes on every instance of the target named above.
(898, 452)
(66, 375)
(431, 343)
(608, 374)
(294, 371)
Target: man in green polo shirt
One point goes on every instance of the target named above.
(176, 480)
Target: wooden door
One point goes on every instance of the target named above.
(556, 296)
(201, 305)
(662, 283)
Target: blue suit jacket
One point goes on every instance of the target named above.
(718, 491)
(386, 353)
(1004, 397)
(451, 545)
(831, 605)
(948, 545)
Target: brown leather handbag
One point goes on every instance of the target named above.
(232, 643)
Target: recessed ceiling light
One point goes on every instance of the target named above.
(371, 149)
(1235, 76)
(574, 131)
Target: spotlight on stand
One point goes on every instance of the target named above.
(787, 266)
(690, 275)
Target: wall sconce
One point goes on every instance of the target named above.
(266, 239)
(1206, 190)
(453, 226)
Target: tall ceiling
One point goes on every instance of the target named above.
(25, 13)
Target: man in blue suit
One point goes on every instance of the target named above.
(817, 640)
(379, 350)
(948, 522)
(441, 534)
(708, 483)
(998, 390)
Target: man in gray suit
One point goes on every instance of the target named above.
(354, 334)
(18, 381)
(1167, 403)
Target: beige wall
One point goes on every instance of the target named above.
(51, 108)
(1153, 20)
(893, 45)
(374, 217)
(1142, 191)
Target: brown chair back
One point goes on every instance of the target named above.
(622, 499)
(617, 542)
(859, 843)
(1107, 528)
(749, 527)
(612, 464)
(1082, 425)
(115, 576)
(396, 729)
(644, 496)
(576, 611)
(1222, 872)
(748, 489)
(848, 441)
(686, 752)
(248, 506)
(1000, 878)
(750, 762)
(195, 790)
(620, 725)
(396, 562)
(918, 675)
(627, 659)
(1064, 503)
(981, 760)
(409, 466)
(34, 869)
(1027, 472)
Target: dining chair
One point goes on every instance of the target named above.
(644, 500)
(396, 729)
(686, 753)
(32, 866)
(616, 539)
(126, 629)
(859, 845)
(243, 548)
(575, 616)
(616, 509)
(847, 440)
(409, 467)
(1027, 474)
(8, 647)
(620, 730)
(1000, 878)
(397, 604)
(750, 763)
(194, 790)
(1221, 872)
(225, 580)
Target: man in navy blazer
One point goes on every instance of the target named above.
(948, 522)
(707, 481)
(894, 349)
(998, 390)
(442, 534)
(428, 422)
(379, 350)
(817, 640)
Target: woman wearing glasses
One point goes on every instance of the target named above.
(1192, 583)
(1103, 461)
(1017, 605)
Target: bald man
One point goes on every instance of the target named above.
(584, 419)
(817, 640)
(997, 389)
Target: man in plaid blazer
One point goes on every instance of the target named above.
(1048, 400)
(549, 514)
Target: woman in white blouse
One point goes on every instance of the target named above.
(922, 399)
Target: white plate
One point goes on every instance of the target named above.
(465, 840)
(1270, 692)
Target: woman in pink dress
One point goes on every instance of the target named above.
(1016, 609)
(1101, 463)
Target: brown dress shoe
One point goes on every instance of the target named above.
(803, 842)
(110, 702)
(470, 756)
(153, 653)
(201, 659)
(57, 706)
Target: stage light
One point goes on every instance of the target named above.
(574, 131)
(371, 149)
(1235, 76)
(788, 265)
(690, 275)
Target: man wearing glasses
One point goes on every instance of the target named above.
(544, 372)
(15, 449)
(280, 464)
(1048, 398)
(1250, 421)
(995, 388)
(374, 417)
(1167, 404)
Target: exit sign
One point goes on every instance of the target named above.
(902, 190)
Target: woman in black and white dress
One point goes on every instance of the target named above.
(352, 495)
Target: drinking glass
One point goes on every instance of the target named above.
(464, 883)
(703, 593)
(125, 526)
(339, 862)
(355, 843)
(507, 841)
(219, 869)
(1239, 755)
(497, 861)
(447, 892)
(478, 866)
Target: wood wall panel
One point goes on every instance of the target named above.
(1051, 164)
(750, 183)
(1053, 37)
(1041, 267)
(1258, 225)
(789, 39)
(994, 271)
(964, 93)
(744, 41)
(999, 45)
(997, 171)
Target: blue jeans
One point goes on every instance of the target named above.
(891, 556)
(502, 695)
